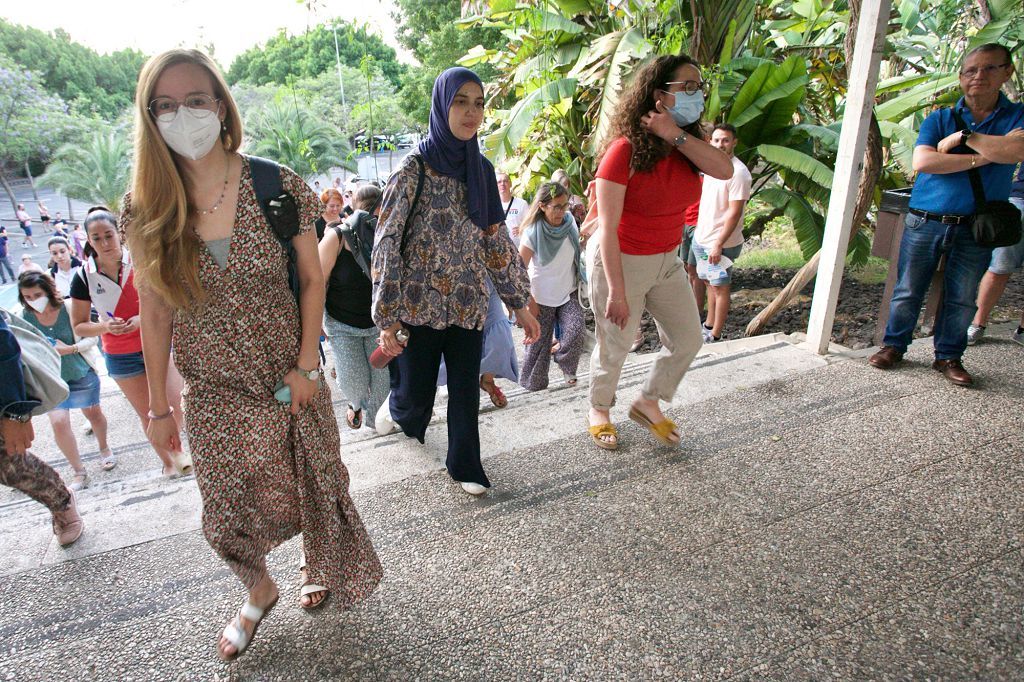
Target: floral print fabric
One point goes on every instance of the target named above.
(263, 474)
(439, 278)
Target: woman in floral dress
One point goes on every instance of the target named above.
(213, 281)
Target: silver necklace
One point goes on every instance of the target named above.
(223, 191)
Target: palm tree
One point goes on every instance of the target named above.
(294, 136)
(97, 171)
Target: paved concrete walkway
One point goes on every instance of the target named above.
(821, 520)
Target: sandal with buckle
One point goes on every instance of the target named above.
(309, 589)
(108, 460)
(599, 432)
(354, 418)
(80, 481)
(662, 431)
(235, 632)
(497, 397)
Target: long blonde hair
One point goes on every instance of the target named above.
(165, 250)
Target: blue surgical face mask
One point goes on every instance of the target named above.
(687, 108)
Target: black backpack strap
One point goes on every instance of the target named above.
(977, 187)
(347, 235)
(415, 201)
(266, 181)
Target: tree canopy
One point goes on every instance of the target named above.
(428, 28)
(309, 54)
(91, 83)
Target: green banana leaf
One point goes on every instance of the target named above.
(505, 140)
(798, 162)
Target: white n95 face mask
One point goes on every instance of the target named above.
(189, 135)
(39, 304)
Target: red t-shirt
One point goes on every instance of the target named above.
(656, 200)
(127, 306)
(692, 213)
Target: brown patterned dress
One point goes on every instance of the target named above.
(263, 474)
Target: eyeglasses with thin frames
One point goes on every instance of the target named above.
(199, 103)
(983, 70)
(689, 87)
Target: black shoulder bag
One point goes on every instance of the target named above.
(996, 223)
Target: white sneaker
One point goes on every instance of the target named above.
(474, 489)
(383, 422)
(706, 334)
(974, 334)
(1018, 336)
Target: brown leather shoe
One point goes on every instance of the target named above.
(887, 358)
(68, 525)
(954, 371)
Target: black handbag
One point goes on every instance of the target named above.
(996, 223)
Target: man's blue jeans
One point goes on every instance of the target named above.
(923, 244)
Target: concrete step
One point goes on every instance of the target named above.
(134, 504)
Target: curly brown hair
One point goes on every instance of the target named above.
(639, 99)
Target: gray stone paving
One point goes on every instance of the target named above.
(836, 522)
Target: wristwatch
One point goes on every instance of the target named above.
(681, 138)
(965, 135)
(312, 375)
(20, 418)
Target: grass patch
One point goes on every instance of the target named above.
(872, 272)
(781, 258)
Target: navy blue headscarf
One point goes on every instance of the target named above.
(448, 155)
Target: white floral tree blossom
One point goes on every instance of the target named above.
(31, 121)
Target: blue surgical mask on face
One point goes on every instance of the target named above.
(687, 108)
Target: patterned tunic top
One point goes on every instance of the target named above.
(263, 474)
(439, 278)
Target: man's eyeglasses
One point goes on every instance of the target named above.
(166, 108)
(982, 70)
(689, 87)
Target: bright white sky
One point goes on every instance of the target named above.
(231, 26)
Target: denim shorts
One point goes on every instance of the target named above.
(1007, 260)
(125, 365)
(730, 252)
(84, 392)
(685, 251)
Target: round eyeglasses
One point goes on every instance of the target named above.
(200, 104)
(689, 87)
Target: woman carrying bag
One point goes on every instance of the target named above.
(48, 312)
(19, 468)
(347, 319)
(431, 262)
(213, 278)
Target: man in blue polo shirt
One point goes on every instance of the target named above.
(942, 209)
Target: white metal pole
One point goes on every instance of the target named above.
(867, 53)
(337, 59)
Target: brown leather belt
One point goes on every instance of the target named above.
(944, 219)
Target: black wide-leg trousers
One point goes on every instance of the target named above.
(414, 388)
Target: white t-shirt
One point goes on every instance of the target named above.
(552, 284)
(515, 214)
(715, 196)
(63, 281)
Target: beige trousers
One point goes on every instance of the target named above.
(658, 283)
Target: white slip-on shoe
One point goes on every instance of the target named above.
(383, 422)
(474, 489)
